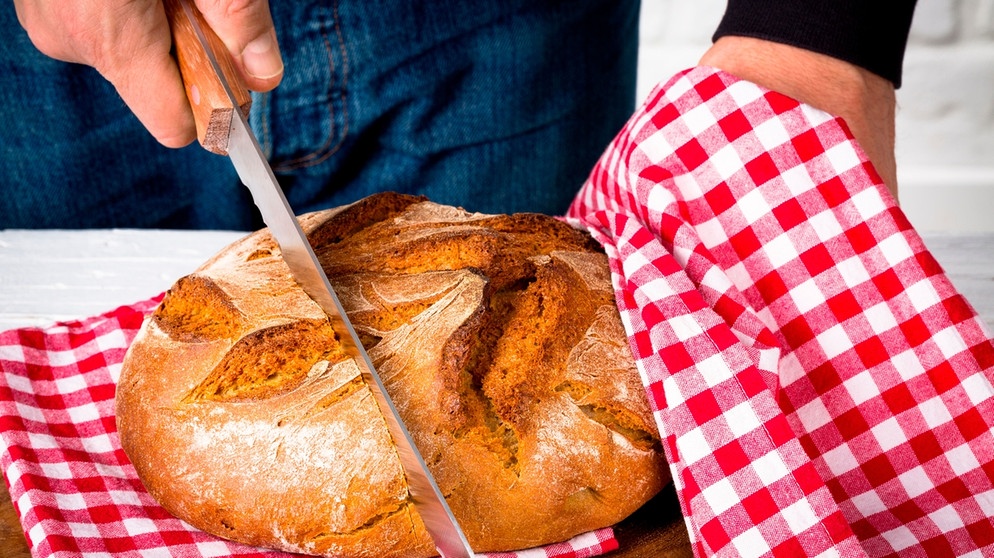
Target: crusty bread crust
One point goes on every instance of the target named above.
(496, 335)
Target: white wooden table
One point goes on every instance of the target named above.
(51, 275)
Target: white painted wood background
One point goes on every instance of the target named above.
(52, 275)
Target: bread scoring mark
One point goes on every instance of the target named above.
(402, 508)
(196, 310)
(613, 417)
(334, 387)
(259, 254)
(481, 333)
(389, 311)
(421, 352)
(542, 323)
(330, 400)
(519, 342)
(414, 252)
(498, 246)
(543, 234)
(270, 361)
(351, 220)
(379, 304)
(603, 388)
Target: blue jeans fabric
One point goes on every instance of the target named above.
(493, 106)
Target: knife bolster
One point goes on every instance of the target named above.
(214, 135)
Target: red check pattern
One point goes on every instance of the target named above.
(72, 485)
(820, 386)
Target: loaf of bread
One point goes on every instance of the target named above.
(497, 336)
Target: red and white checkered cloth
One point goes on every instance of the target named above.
(820, 386)
(72, 485)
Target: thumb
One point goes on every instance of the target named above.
(246, 28)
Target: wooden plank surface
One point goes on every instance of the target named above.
(47, 276)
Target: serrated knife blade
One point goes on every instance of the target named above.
(218, 100)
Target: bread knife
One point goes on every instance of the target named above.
(219, 101)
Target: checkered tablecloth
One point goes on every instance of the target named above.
(820, 386)
(73, 487)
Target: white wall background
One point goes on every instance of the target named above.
(945, 118)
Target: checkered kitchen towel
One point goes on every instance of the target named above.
(820, 386)
(74, 488)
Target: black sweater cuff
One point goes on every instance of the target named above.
(868, 33)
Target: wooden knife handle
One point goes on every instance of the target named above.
(212, 108)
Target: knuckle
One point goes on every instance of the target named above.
(237, 8)
(237, 21)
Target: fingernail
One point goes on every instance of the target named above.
(261, 57)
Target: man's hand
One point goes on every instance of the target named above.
(128, 42)
(865, 100)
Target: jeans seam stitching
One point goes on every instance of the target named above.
(330, 147)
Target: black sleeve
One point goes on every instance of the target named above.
(872, 34)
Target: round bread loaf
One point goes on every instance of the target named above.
(497, 336)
